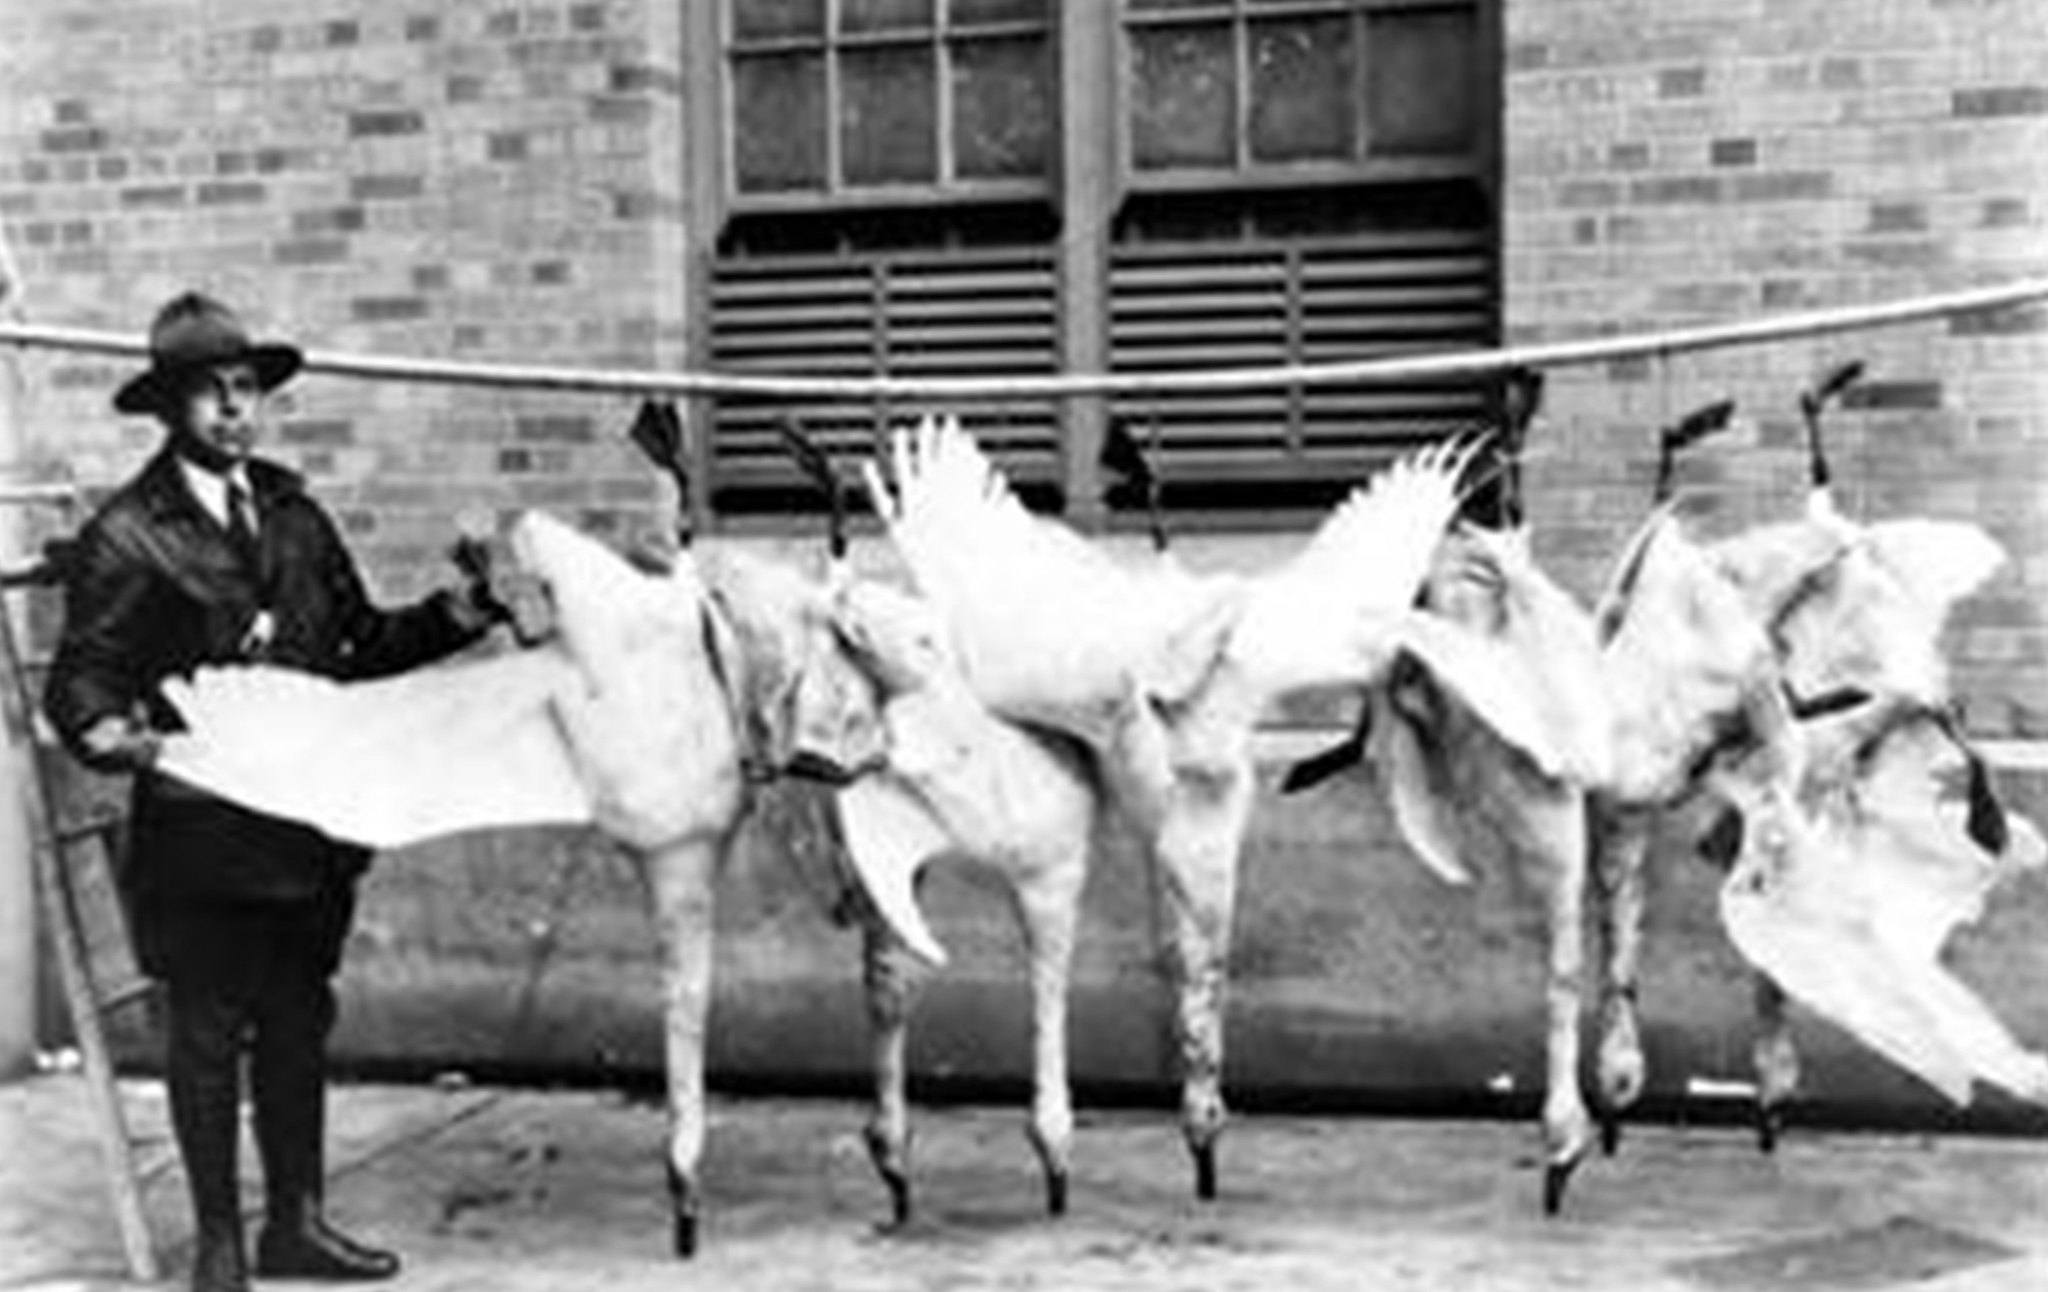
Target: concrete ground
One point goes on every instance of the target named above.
(512, 1189)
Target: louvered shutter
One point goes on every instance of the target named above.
(928, 314)
(1208, 305)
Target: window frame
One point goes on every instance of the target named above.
(1246, 173)
(941, 38)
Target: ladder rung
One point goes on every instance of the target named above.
(83, 830)
(127, 993)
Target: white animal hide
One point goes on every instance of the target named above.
(460, 746)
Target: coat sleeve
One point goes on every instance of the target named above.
(379, 642)
(112, 608)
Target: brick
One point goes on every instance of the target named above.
(394, 121)
(1588, 192)
(2000, 101)
(429, 278)
(1527, 56)
(2015, 320)
(1628, 156)
(611, 109)
(74, 139)
(503, 23)
(1682, 82)
(2005, 212)
(71, 112)
(266, 39)
(1891, 253)
(153, 195)
(559, 428)
(269, 161)
(318, 430)
(515, 461)
(379, 188)
(111, 168)
(1780, 186)
(551, 273)
(586, 17)
(226, 192)
(1841, 74)
(465, 89)
(1732, 152)
(1676, 188)
(232, 163)
(1898, 217)
(423, 27)
(1874, 396)
(342, 32)
(328, 219)
(310, 251)
(636, 78)
(387, 309)
(507, 145)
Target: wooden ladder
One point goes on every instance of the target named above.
(73, 861)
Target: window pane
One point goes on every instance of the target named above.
(968, 13)
(756, 19)
(1185, 97)
(888, 130)
(885, 15)
(1304, 91)
(1419, 82)
(1002, 107)
(779, 122)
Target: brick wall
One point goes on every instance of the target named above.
(1675, 162)
(487, 181)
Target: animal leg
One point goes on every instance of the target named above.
(892, 979)
(679, 879)
(1049, 905)
(1776, 1060)
(1621, 846)
(1197, 847)
(1567, 1127)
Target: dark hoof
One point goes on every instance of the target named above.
(1770, 1124)
(683, 1213)
(899, 1197)
(1205, 1172)
(1056, 1193)
(1610, 1136)
(1555, 1177)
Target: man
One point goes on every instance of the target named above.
(212, 556)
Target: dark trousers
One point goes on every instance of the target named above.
(251, 981)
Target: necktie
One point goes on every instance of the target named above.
(242, 523)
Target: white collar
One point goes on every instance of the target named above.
(211, 487)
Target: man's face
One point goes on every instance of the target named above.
(214, 416)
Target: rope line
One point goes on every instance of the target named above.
(1052, 385)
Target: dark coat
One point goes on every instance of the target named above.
(156, 589)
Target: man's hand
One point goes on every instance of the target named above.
(491, 593)
(121, 742)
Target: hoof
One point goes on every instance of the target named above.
(1610, 1135)
(683, 1210)
(1205, 1172)
(899, 1197)
(1556, 1176)
(1770, 1124)
(1056, 1193)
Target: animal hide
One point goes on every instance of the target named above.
(461, 746)
(1847, 906)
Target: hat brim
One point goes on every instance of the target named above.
(275, 364)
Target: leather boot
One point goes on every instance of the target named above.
(290, 1080)
(204, 1080)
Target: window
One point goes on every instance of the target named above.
(989, 187)
(853, 98)
(1273, 88)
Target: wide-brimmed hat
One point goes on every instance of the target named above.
(196, 331)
